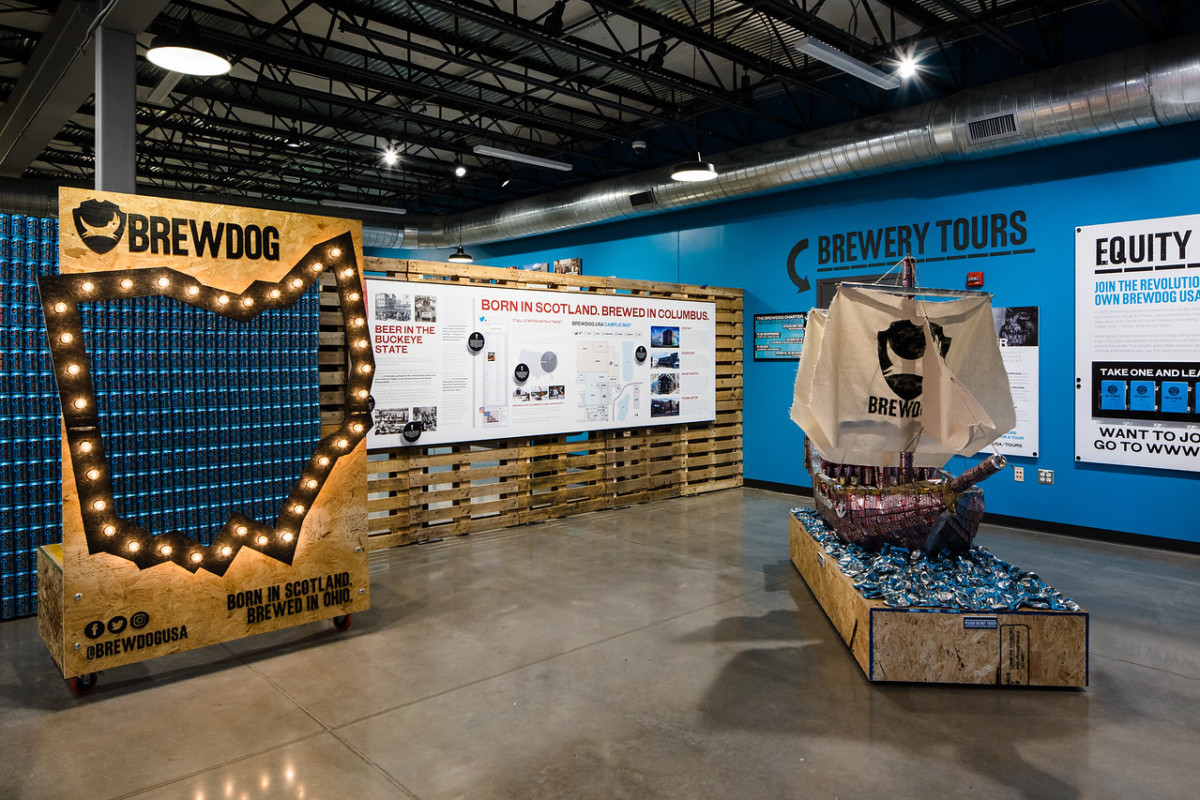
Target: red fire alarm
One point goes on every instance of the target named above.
(974, 280)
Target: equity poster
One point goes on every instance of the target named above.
(466, 363)
(1137, 343)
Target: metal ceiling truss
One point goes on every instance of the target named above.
(319, 87)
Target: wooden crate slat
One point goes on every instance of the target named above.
(711, 486)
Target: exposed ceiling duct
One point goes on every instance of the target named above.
(1147, 87)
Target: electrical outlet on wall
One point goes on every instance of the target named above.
(1019, 474)
(1046, 476)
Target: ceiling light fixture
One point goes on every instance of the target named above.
(362, 207)
(846, 63)
(188, 52)
(694, 171)
(390, 156)
(907, 68)
(510, 155)
(461, 256)
(460, 169)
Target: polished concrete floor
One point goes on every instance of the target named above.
(660, 651)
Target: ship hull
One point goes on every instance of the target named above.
(925, 515)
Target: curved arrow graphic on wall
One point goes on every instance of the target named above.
(800, 281)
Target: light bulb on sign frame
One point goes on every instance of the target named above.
(104, 528)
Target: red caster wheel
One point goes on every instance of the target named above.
(343, 622)
(82, 684)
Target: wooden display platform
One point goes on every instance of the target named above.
(933, 645)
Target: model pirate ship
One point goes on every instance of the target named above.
(893, 382)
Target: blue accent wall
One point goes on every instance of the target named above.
(746, 244)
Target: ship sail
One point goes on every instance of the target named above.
(883, 373)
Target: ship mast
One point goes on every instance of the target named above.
(908, 281)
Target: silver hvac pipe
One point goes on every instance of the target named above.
(1147, 87)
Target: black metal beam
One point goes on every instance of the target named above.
(993, 32)
(1135, 12)
(196, 123)
(195, 166)
(296, 52)
(558, 86)
(578, 48)
(250, 95)
(929, 22)
(697, 38)
(254, 96)
(489, 56)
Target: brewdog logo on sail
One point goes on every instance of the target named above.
(902, 345)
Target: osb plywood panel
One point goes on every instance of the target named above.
(1033, 648)
(293, 235)
(1020, 648)
(106, 610)
(845, 607)
(423, 493)
(50, 600)
(184, 610)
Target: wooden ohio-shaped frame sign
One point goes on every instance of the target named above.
(116, 593)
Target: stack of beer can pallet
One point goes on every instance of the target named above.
(201, 416)
(30, 454)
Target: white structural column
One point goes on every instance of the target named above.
(116, 108)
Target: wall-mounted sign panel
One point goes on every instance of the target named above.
(549, 362)
(1017, 331)
(1137, 340)
(779, 337)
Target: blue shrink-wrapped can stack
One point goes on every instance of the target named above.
(30, 441)
(202, 416)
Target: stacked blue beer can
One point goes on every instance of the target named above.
(201, 416)
(30, 442)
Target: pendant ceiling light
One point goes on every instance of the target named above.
(186, 51)
(698, 170)
(693, 171)
(461, 256)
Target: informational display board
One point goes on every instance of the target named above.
(464, 363)
(1137, 343)
(1017, 329)
(779, 337)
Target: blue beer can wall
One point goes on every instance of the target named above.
(30, 457)
(201, 416)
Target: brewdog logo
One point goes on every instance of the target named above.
(100, 224)
(901, 346)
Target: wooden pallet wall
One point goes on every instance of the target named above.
(422, 493)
